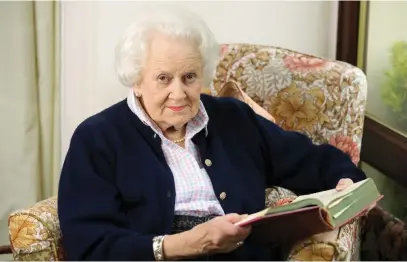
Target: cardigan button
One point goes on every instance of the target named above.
(208, 162)
(222, 196)
(168, 193)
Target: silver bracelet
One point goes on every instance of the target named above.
(158, 248)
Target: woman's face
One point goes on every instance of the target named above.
(171, 81)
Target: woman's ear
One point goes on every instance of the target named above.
(136, 90)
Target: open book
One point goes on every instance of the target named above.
(312, 214)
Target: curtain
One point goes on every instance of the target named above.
(29, 105)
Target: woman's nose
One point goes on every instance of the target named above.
(177, 90)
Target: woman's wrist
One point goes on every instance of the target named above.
(178, 246)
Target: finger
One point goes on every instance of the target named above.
(235, 233)
(245, 231)
(343, 184)
(231, 241)
(241, 233)
(240, 243)
(230, 248)
(234, 218)
(232, 245)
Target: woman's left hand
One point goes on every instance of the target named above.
(343, 184)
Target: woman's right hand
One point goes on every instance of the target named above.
(218, 235)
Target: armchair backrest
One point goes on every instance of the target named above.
(322, 98)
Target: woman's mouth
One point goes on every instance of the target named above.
(176, 108)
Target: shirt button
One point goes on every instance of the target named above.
(222, 196)
(208, 162)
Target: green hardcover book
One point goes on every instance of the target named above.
(314, 213)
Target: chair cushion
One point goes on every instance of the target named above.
(231, 89)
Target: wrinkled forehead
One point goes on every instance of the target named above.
(172, 52)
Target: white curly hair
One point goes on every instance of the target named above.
(175, 22)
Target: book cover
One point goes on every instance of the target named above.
(312, 214)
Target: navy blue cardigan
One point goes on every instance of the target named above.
(116, 191)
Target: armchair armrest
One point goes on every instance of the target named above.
(6, 249)
(34, 232)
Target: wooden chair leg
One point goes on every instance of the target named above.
(6, 249)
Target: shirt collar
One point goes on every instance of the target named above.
(194, 126)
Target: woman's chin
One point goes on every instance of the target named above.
(180, 119)
(180, 122)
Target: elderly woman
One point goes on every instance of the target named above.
(167, 172)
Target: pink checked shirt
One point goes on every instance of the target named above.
(194, 192)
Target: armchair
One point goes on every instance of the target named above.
(323, 99)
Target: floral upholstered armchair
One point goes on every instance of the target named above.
(320, 98)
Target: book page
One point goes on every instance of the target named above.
(327, 196)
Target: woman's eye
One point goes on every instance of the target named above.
(164, 79)
(190, 77)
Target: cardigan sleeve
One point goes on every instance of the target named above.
(301, 166)
(93, 226)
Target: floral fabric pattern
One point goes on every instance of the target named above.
(277, 196)
(319, 251)
(347, 145)
(34, 232)
(321, 98)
